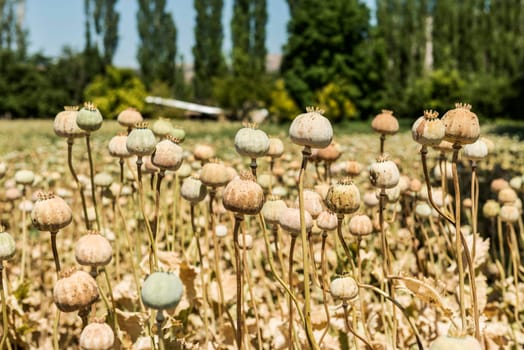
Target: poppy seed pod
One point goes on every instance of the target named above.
(24, 177)
(203, 152)
(117, 146)
(491, 208)
(214, 174)
(129, 117)
(276, 148)
(243, 195)
(507, 196)
(272, 209)
(455, 343)
(89, 118)
(162, 290)
(178, 133)
(50, 213)
(311, 129)
(161, 127)
(353, 168)
(65, 124)
(93, 249)
(384, 172)
(97, 336)
(251, 142)
(344, 288)
(509, 213)
(428, 130)
(327, 221)
(385, 123)
(343, 197)
(312, 203)
(289, 220)
(7, 245)
(193, 190)
(245, 241)
(476, 151)
(360, 225)
(168, 155)
(75, 290)
(330, 153)
(141, 141)
(423, 210)
(462, 125)
(444, 146)
(103, 179)
(498, 185)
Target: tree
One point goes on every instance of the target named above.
(157, 47)
(106, 26)
(207, 51)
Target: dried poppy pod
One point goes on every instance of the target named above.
(168, 155)
(498, 185)
(476, 151)
(75, 290)
(415, 185)
(243, 195)
(141, 141)
(345, 288)
(97, 336)
(50, 213)
(462, 125)
(491, 209)
(360, 225)
(370, 199)
(193, 190)
(178, 133)
(162, 290)
(89, 118)
(161, 127)
(93, 249)
(117, 146)
(385, 123)
(7, 245)
(276, 148)
(327, 221)
(129, 117)
(245, 241)
(444, 146)
(330, 153)
(455, 343)
(509, 213)
(507, 196)
(203, 152)
(103, 179)
(384, 172)
(353, 168)
(251, 142)
(311, 129)
(272, 209)
(428, 130)
(312, 203)
(214, 174)
(392, 194)
(65, 124)
(423, 210)
(343, 197)
(24, 177)
(289, 220)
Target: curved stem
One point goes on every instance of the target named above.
(113, 304)
(361, 296)
(290, 283)
(253, 166)
(24, 248)
(92, 176)
(238, 269)
(55, 252)
(55, 330)
(351, 330)
(323, 284)
(5, 324)
(306, 153)
(471, 258)
(153, 258)
(161, 175)
(349, 256)
(78, 183)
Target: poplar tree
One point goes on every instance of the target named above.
(106, 25)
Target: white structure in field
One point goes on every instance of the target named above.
(188, 106)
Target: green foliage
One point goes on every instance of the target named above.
(281, 105)
(116, 90)
(334, 99)
(106, 26)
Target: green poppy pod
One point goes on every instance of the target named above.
(162, 290)
(89, 118)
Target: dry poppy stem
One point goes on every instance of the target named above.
(24, 248)
(361, 296)
(159, 322)
(5, 325)
(276, 240)
(351, 330)
(238, 268)
(349, 256)
(253, 166)
(290, 283)
(514, 250)
(92, 177)
(306, 153)
(323, 273)
(79, 185)
(55, 252)
(55, 330)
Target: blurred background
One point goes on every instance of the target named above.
(352, 58)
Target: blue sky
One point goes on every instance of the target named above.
(53, 24)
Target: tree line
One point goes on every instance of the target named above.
(404, 55)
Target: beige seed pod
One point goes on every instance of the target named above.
(50, 213)
(343, 197)
(214, 174)
(243, 195)
(498, 184)
(327, 221)
(65, 125)
(360, 225)
(462, 125)
(415, 185)
(245, 241)
(370, 199)
(93, 249)
(290, 220)
(509, 213)
(445, 342)
(103, 179)
(276, 147)
(491, 208)
(117, 146)
(476, 151)
(129, 117)
(75, 289)
(423, 210)
(311, 129)
(312, 203)
(507, 196)
(344, 288)
(97, 336)
(384, 172)
(353, 168)
(428, 130)
(444, 146)
(24, 177)
(193, 190)
(272, 209)
(168, 155)
(203, 152)
(330, 153)
(385, 123)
